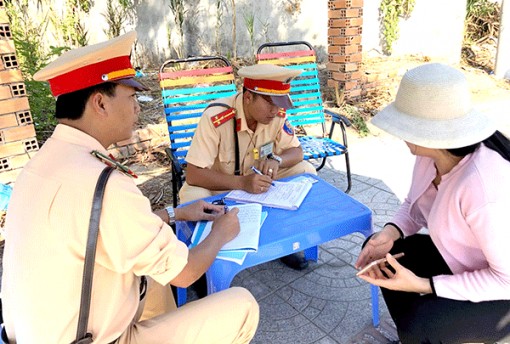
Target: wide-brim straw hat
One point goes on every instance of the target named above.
(433, 109)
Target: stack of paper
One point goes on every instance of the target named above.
(285, 195)
(251, 218)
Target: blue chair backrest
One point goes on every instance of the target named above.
(305, 88)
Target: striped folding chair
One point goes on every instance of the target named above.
(308, 114)
(187, 87)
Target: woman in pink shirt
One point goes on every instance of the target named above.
(453, 285)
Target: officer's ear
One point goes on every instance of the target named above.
(248, 96)
(97, 101)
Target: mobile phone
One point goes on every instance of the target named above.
(377, 262)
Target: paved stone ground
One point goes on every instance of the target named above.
(326, 303)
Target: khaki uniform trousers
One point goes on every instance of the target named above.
(190, 193)
(229, 316)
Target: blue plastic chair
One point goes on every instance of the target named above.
(308, 108)
(187, 87)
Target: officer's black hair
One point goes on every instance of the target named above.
(72, 105)
(247, 90)
(497, 142)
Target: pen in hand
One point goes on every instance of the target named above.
(254, 169)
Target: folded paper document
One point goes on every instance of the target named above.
(285, 195)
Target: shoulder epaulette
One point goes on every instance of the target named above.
(110, 161)
(223, 117)
(281, 113)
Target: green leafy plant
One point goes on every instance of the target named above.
(71, 26)
(218, 25)
(357, 120)
(116, 15)
(249, 22)
(234, 41)
(482, 21)
(391, 11)
(481, 31)
(179, 12)
(264, 32)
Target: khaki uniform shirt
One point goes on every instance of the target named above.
(46, 231)
(214, 147)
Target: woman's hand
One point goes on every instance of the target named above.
(379, 244)
(400, 278)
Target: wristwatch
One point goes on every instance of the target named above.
(171, 215)
(275, 157)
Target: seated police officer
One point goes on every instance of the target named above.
(253, 123)
(48, 217)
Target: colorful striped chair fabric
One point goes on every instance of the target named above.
(308, 114)
(187, 87)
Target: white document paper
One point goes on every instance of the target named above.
(285, 195)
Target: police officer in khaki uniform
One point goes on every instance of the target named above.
(253, 123)
(47, 227)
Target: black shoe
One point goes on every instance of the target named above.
(200, 287)
(295, 261)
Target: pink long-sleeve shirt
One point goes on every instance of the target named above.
(468, 220)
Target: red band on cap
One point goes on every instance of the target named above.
(267, 86)
(91, 75)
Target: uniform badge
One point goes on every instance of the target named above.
(266, 149)
(281, 113)
(110, 161)
(287, 128)
(223, 117)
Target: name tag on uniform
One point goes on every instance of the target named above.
(266, 149)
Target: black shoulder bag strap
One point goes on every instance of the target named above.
(237, 170)
(82, 337)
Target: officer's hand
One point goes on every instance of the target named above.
(256, 184)
(199, 210)
(226, 226)
(269, 167)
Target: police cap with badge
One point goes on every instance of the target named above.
(92, 65)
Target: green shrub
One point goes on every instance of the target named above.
(357, 120)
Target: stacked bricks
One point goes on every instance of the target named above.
(17, 133)
(143, 140)
(344, 46)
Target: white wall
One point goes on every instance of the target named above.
(434, 28)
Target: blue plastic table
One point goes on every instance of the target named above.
(325, 214)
